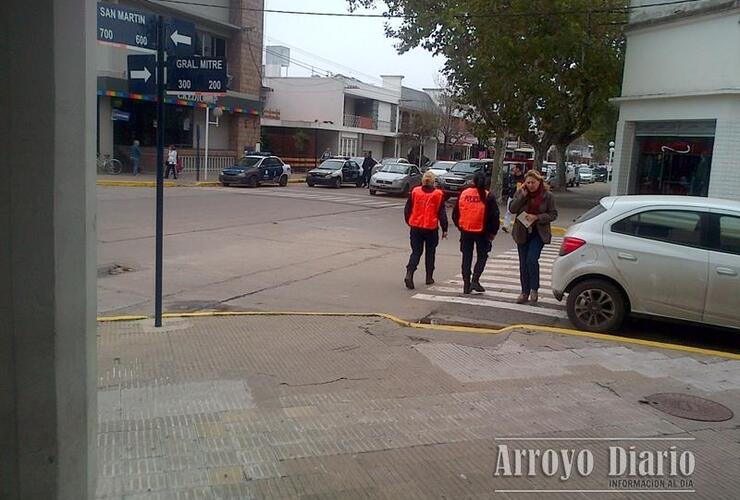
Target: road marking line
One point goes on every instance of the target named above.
(500, 286)
(492, 303)
(506, 279)
(492, 293)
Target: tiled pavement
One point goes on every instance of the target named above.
(312, 407)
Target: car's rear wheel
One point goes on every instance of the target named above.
(358, 184)
(310, 183)
(405, 191)
(372, 192)
(252, 182)
(225, 184)
(337, 182)
(283, 180)
(596, 306)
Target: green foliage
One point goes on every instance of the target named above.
(301, 141)
(539, 69)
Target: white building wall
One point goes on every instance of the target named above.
(218, 137)
(692, 55)
(725, 109)
(384, 112)
(307, 99)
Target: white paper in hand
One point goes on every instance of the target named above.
(522, 217)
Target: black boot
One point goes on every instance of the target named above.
(466, 286)
(409, 279)
(475, 285)
(430, 279)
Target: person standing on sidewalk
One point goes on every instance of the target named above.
(514, 182)
(171, 162)
(424, 213)
(135, 155)
(534, 206)
(476, 215)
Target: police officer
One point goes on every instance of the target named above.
(476, 215)
(424, 213)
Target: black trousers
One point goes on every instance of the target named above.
(421, 238)
(171, 167)
(482, 247)
(366, 177)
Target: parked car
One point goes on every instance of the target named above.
(388, 161)
(461, 175)
(600, 173)
(398, 178)
(440, 167)
(255, 169)
(585, 174)
(335, 172)
(550, 172)
(675, 257)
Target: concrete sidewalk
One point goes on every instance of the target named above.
(186, 180)
(353, 407)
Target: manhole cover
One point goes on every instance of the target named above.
(689, 407)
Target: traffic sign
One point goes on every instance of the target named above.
(141, 69)
(203, 75)
(125, 26)
(181, 38)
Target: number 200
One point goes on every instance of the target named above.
(214, 85)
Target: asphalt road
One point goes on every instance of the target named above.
(316, 249)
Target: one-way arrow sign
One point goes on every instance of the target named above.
(141, 74)
(180, 38)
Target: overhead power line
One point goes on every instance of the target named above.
(602, 10)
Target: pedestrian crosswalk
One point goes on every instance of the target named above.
(358, 197)
(501, 281)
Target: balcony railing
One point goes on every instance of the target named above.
(360, 122)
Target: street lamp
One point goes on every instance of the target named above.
(217, 112)
(611, 160)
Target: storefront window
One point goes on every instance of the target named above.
(141, 124)
(674, 165)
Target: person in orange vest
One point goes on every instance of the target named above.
(425, 212)
(476, 215)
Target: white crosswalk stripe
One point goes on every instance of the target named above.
(501, 281)
(353, 199)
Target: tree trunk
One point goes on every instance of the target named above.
(562, 155)
(540, 155)
(498, 162)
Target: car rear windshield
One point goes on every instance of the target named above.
(596, 211)
(395, 169)
(249, 162)
(332, 165)
(467, 167)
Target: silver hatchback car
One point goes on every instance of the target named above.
(675, 257)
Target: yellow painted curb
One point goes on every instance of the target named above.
(207, 183)
(133, 183)
(440, 327)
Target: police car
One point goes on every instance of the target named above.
(335, 172)
(255, 169)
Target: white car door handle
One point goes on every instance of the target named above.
(627, 256)
(726, 271)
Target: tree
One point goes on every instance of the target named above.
(418, 126)
(603, 130)
(452, 117)
(538, 69)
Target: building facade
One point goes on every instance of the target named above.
(306, 116)
(679, 121)
(225, 28)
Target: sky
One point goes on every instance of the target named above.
(356, 43)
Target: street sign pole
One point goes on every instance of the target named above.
(160, 173)
(197, 153)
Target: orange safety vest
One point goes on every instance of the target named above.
(472, 211)
(425, 208)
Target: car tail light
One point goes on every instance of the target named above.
(570, 244)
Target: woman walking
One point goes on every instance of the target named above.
(534, 206)
(476, 215)
(424, 213)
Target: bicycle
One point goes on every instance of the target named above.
(109, 165)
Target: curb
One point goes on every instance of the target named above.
(133, 183)
(441, 327)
